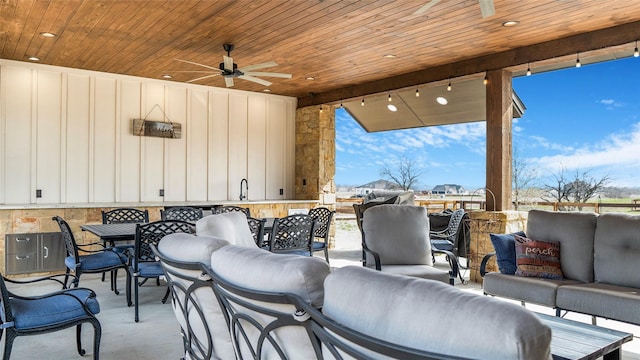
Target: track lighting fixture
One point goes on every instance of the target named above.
(578, 64)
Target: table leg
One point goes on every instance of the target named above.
(613, 355)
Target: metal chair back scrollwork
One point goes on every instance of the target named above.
(257, 231)
(125, 215)
(182, 213)
(293, 234)
(230, 208)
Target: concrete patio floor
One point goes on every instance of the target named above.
(157, 335)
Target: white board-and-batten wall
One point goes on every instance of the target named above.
(68, 133)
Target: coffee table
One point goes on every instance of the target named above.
(575, 340)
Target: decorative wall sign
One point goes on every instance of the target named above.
(144, 127)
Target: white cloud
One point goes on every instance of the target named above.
(611, 103)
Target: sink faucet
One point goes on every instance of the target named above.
(243, 195)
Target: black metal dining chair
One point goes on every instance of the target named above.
(322, 216)
(102, 260)
(230, 208)
(293, 234)
(46, 313)
(143, 263)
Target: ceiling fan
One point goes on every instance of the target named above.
(486, 7)
(229, 70)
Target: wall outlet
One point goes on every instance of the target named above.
(281, 191)
(161, 192)
(38, 193)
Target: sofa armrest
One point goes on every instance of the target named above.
(483, 264)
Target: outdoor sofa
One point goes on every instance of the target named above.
(235, 300)
(598, 259)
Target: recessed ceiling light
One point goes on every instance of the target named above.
(266, 90)
(392, 107)
(167, 76)
(310, 78)
(441, 100)
(390, 56)
(34, 58)
(510, 23)
(47, 34)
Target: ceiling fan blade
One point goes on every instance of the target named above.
(255, 79)
(486, 7)
(228, 63)
(229, 81)
(202, 78)
(271, 74)
(426, 7)
(258, 66)
(195, 63)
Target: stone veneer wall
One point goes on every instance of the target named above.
(316, 157)
(36, 220)
(483, 223)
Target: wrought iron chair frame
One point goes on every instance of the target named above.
(321, 330)
(257, 231)
(146, 235)
(449, 235)
(188, 303)
(293, 234)
(72, 249)
(323, 217)
(7, 320)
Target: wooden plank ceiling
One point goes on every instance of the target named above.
(341, 44)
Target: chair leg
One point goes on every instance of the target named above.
(135, 298)
(8, 345)
(326, 253)
(166, 295)
(114, 281)
(128, 288)
(97, 335)
(79, 340)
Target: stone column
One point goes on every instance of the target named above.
(316, 156)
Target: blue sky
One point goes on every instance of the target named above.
(577, 119)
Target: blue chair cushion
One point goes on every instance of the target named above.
(54, 310)
(505, 246)
(150, 269)
(319, 245)
(442, 244)
(97, 261)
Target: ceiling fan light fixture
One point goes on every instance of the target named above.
(510, 23)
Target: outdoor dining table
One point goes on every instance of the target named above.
(112, 232)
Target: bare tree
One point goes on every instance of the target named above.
(579, 189)
(405, 175)
(522, 177)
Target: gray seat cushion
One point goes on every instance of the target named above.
(419, 271)
(604, 300)
(617, 249)
(432, 316)
(533, 290)
(574, 231)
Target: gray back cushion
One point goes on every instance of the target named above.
(231, 226)
(433, 316)
(398, 233)
(574, 231)
(617, 250)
